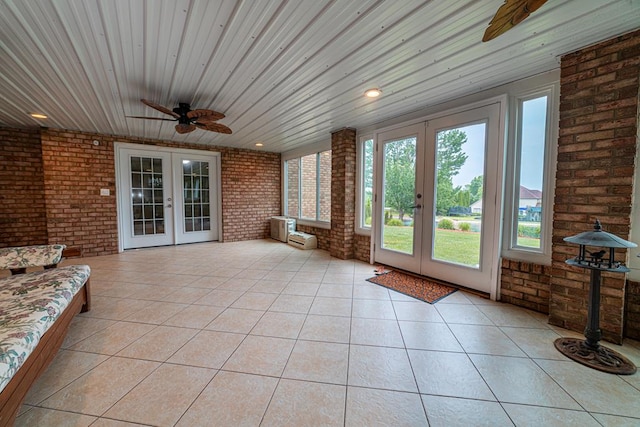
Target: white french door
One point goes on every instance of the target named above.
(196, 212)
(437, 189)
(166, 197)
(399, 195)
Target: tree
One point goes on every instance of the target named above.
(463, 198)
(475, 188)
(368, 180)
(400, 168)
(449, 159)
(399, 175)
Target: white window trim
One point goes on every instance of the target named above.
(509, 250)
(359, 229)
(299, 153)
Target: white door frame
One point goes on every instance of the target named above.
(448, 271)
(405, 261)
(120, 205)
(495, 240)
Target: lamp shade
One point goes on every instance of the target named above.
(599, 238)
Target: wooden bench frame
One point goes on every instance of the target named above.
(40, 358)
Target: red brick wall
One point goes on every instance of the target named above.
(322, 234)
(74, 170)
(361, 247)
(595, 172)
(632, 310)
(309, 186)
(343, 193)
(293, 184)
(525, 284)
(325, 186)
(23, 216)
(250, 193)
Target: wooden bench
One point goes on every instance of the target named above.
(36, 310)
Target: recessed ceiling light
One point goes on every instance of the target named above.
(259, 144)
(38, 116)
(373, 93)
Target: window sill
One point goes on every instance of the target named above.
(527, 256)
(363, 231)
(311, 223)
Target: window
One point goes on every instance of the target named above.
(308, 187)
(530, 182)
(365, 184)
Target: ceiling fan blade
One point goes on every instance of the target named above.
(214, 127)
(210, 115)
(510, 14)
(151, 118)
(160, 108)
(183, 128)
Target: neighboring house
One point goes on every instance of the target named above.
(530, 205)
(530, 201)
(476, 208)
(529, 198)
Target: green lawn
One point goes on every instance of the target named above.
(450, 245)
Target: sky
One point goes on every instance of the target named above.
(533, 131)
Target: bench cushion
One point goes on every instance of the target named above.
(30, 256)
(29, 305)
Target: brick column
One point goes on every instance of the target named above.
(343, 193)
(595, 172)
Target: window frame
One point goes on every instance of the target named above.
(360, 227)
(315, 149)
(510, 248)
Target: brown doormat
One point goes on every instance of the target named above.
(427, 290)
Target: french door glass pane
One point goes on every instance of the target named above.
(196, 195)
(399, 194)
(458, 194)
(147, 199)
(529, 195)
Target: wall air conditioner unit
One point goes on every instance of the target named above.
(281, 226)
(303, 240)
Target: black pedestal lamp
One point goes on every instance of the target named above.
(589, 352)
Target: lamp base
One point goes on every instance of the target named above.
(601, 358)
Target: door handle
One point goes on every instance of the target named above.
(169, 206)
(418, 206)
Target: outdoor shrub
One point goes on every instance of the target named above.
(367, 221)
(529, 231)
(446, 224)
(387, 217)
(464, 226)
(395, 222)
(367, 208)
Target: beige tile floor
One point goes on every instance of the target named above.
(260, 333)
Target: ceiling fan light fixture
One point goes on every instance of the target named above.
(38, 116)
(373, 92)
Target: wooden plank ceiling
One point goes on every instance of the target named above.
(284, 72)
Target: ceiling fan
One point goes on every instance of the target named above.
(510, 14)
(188, 119)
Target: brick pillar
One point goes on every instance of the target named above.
(343, 193)
(595, 172)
